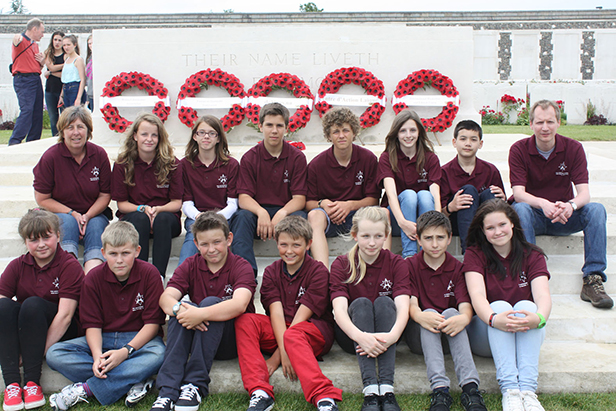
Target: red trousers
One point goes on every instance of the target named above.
(303, 343)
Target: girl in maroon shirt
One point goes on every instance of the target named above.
(409, 170)
(147, 184)
(210, 177)
(507, 280)
(45, 282)
(371, 300)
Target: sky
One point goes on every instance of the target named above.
(269, 6)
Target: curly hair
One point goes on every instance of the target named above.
(392, 144)
(164, 161)
(222, 147)
(338, 116)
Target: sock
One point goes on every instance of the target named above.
(468, 387)
(442, 389)
(372, 389)
(260, 393)
(385, 388)
(87, 389)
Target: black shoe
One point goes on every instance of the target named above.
(260, 403)
(327, 406)
(162, 404)
(371, 403)
(473, 401)
(441, 401)
(189, 399)
(389, 403)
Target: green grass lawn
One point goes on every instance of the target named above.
(419, 402)
(577, 132)
(6, 134)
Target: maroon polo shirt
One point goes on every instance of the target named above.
(387, 276)
(438, 289)
(77, 186)
(194, 278)
(553, 178)
(209, 187)
(510, 289)
(272, 181)
(454, 178)
(60, 278)
(407, 176)
(113, 307)
(147, 190)
(328, 179)
(308, 286)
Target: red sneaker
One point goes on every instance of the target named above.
(33, 396)
(12, 398)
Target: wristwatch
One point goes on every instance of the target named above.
(176, 308)
(573, 205)
(130, 349)
(542, 321)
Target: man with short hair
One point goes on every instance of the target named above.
(543, 169)
(26, 71)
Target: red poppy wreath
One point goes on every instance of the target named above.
(429, 78)
(217, 78)
(123, 81)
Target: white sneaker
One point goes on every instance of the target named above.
(531, 402)
(69, 396)
(512, 401)
(138, 392)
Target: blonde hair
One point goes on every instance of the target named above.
(164, 161)
(375, 214)
(120, 233)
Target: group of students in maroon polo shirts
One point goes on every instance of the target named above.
(372, 297)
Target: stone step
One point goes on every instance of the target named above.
(564, 367)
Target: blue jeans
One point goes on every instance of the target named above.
(516, 355)
(29, 124)
(70, 93)
(188, 247)
(73, 359)
(461, 220)
(591, 219)
(91, 241)
(244, 228)
(51, 101)
(412, 205)
(190, 354)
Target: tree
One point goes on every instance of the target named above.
(17, 7)
(309, 8)
(228, 11)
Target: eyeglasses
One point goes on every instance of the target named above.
(203, 133)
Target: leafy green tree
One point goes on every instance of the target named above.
(228, 11)
(309, 8)
(17, 7)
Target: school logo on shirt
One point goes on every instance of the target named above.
(56, 284)
(359, 178)
(223, 181)
(228, 292)
(162, 185)
(423, 176)
(523, 280)
(450, 292)
(138, 302)
(386, 286)
(300, 293)
(562, 170)
(95, 172)
(285, 176)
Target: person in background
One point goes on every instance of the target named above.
(73, 73)
(54, 60)
(26, 71)
(89, 78)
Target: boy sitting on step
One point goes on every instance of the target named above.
(119, 311)
(440, 304)
(222, 284)
(298, 326)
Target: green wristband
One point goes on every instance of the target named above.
(542, 321)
